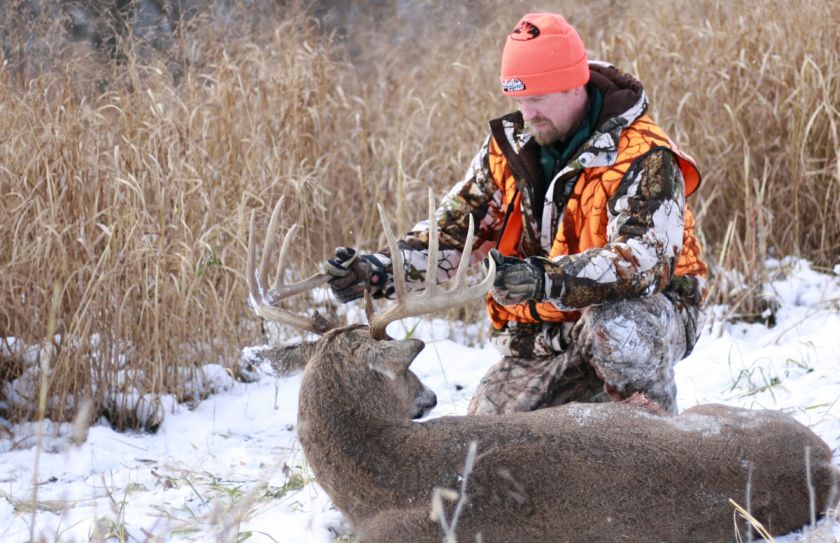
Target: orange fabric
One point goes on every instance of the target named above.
(543, 54)
(584, 222)
(509, 244)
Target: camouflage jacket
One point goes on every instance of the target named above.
(637, 241)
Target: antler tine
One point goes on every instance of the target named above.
(268, 244)
(434, 297)
(264, 301)
(396, 255)
(431, 260)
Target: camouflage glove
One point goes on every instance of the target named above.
(517, 280)
(353, 273)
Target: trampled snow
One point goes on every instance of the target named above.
(233, 463)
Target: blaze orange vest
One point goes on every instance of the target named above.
(584, 221)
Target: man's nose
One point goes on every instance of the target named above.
(528, 111)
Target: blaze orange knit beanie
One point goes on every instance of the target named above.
(543, 54)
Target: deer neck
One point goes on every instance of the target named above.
(345, 436)
(340, 411)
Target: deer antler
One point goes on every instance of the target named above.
(265, 301)
(433, 297)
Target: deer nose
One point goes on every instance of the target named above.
(432, 401)
(425, 402)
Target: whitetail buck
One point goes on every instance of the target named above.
(576, 473)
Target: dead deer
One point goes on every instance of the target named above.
(575, 473)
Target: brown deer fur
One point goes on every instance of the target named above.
(574, 473)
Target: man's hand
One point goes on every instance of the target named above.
(353, 273)
(517, 280)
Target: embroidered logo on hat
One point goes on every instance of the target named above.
(525, 31)
(512, 85)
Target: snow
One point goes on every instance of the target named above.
(233, 463)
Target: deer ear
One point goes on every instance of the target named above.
(398, 367)
(395, 356)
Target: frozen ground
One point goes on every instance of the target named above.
(232, 470)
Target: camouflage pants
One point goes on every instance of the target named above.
(613, 351)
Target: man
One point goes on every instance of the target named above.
(580, 200)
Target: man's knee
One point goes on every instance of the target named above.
(633, 345)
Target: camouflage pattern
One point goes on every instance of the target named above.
(644, 229)
(612, 352)
(475, 195)
(636, 318)
(645, 234)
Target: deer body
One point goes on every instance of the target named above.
(574, 473)
(582, 472)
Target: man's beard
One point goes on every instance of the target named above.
(545, 136)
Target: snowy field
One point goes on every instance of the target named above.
(231, 469)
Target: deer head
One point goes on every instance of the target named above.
(371, 346)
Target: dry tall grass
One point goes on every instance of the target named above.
(128, 193)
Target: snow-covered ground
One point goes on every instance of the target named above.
(232, 470)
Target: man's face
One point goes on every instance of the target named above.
(552, 117)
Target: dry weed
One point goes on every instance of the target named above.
(128, 191)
